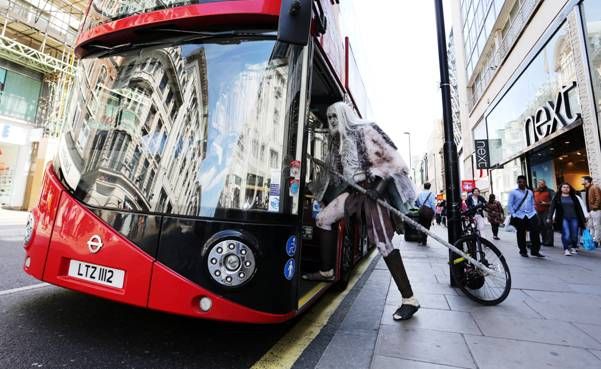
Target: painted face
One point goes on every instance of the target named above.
(565, 188)
(333, 122)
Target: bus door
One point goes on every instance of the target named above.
(324, 91)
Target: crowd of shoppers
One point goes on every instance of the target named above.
(536, 213)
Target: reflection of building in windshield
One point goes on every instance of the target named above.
(139, 128)
(258, 149)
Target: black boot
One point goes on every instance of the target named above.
(399, 275)
(327, 248)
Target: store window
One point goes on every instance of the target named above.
(526, 115)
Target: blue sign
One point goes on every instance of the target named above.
(289, 269)
(291, 246)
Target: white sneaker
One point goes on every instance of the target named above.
(567, 253)
(573, 251)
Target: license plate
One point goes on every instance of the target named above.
(96, 273)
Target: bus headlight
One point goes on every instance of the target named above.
(231, 263)
(28, 230)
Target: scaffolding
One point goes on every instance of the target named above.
(40, 35)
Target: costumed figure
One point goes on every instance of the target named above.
(365, 155)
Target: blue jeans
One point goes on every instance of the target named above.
(569, 233)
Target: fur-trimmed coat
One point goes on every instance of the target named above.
(378, 157)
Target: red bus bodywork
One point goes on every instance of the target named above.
(62, 225)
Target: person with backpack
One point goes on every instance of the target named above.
(520, 207)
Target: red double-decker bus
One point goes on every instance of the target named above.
(181, 180)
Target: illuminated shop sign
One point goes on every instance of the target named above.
(550, 117)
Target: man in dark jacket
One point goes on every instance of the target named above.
(542, 201)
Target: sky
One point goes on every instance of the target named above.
(395, 47)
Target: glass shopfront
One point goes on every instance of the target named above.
(535, 128)
(541, 103)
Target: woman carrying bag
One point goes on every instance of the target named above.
(569, 215)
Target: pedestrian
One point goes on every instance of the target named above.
(593, 207)
(475, 200)
(425, 203)
(523, 217)
(569, 216)
(496, 215)
(439, 209)
(365, 155)
(463, 206)
(543, 196)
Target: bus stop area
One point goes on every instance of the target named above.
(551, 318)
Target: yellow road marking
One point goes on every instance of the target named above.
(289, 348)
(309, 295)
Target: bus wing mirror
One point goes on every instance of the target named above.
(294, 24)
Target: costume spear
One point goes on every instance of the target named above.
(483, 268)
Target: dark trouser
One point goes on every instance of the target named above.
(495, 229)
(399, 274)
(569, 233)
(545, 229)
(523, 225)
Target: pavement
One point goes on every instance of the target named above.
(551, 319)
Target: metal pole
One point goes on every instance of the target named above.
(451, 159)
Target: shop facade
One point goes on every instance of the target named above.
(20, 91)
(544, 121)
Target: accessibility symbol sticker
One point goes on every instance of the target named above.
(291, 246)
(289, 269)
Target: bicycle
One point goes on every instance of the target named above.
(486, 289)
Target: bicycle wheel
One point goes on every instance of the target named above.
(485, 289)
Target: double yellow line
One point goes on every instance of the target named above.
(290, 347)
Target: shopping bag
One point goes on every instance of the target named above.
(507, 224)
(587, 241)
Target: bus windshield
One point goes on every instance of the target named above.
(185, 130)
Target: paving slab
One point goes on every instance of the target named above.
(426, 300)
(567, 313)
(440, 320)
(427, 345)
(597, 353)
(385, 362)
(349, 351)
(592, 330)
(500, 353)
(564, 298)
(536, 330)
(511, 306)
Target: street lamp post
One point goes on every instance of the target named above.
(410, 166)
(451, 159)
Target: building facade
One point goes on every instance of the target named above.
(529, 77)
(36, 69)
